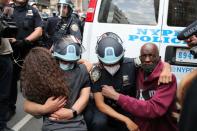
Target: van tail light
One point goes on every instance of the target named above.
(91, 11)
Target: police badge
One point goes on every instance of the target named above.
(125, 79)
(29, 13)
(95, 73)
(75, 27)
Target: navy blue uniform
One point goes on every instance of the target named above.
(51, 24)
(67, 26)
(124, 81)
(27, 19)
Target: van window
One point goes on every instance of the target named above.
(139, 12)
(182, 12)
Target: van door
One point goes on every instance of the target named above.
(135, 21)
(178, 14)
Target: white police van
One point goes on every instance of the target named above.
(141, 21)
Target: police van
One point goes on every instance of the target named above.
(141, 21)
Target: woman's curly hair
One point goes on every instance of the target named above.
(41, 77)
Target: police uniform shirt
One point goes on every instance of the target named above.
(27, 19)
(51, 23)
(68, 26)
(124, 81)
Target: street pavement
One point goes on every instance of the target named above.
(22, 121)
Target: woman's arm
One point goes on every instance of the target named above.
(79, 106)
(51, 105)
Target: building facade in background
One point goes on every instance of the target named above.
(81, 5)
(42, 4)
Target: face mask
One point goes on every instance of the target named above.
(66, 67)
(148, 69)
(112, 69)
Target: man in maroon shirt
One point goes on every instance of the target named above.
(154, 104)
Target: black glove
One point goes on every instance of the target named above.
(22, 43)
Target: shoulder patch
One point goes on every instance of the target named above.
(137, 62)
(95, 73)
(74, 27)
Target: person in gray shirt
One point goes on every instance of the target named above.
(67, 51)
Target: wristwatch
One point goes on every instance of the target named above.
(74, 112)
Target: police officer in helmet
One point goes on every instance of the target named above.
(110, 51)
(67, 51)
(67, 24)
(114, 70)
(29, 25)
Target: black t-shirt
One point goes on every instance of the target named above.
(78, 78)
(124, 81)
(189, 113)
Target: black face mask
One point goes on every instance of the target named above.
(148, 69)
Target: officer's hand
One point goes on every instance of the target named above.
(53, 104)
(131, 125)
(21, 43)
(62, 114)
(166, 75)
(8, 11)
(108, 91)
(192, 41)
(12, 40)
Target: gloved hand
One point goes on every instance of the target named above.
(22, 43)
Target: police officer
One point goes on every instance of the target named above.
(29, 25)
(67, 24)
(114, 70)
(6, 68)
(67, 51)
(82, 18)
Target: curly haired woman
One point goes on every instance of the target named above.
(41, 77)
(58, 117)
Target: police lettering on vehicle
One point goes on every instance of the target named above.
(182, 69)
(153, 35)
